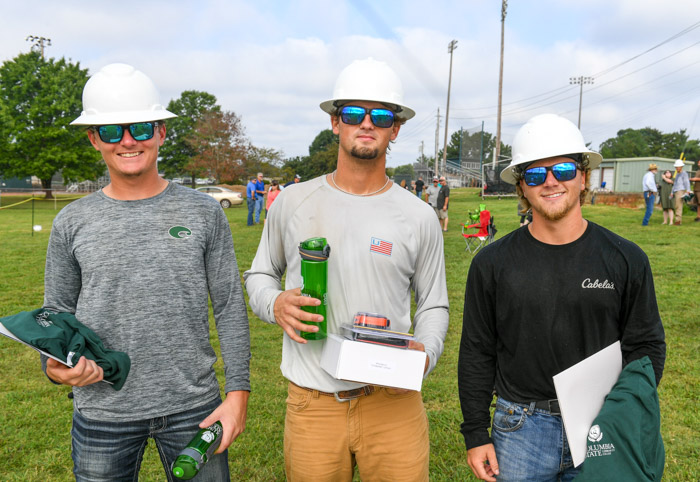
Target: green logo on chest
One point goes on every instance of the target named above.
(179, 232)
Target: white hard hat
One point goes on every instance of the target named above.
(545, 136)
(120, 94)
(369, 80)
(679, 163)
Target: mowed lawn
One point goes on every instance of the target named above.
(35, 415)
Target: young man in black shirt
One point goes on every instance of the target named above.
(540, 300)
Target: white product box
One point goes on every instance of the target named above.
(373, 364)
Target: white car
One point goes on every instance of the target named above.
(226, 197)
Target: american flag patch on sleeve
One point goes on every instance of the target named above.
(380, 246)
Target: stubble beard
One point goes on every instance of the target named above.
(555, 214)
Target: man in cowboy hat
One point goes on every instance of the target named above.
(650, 192)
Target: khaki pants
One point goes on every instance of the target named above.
(678, 204)
(385, 433)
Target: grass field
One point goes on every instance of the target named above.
(35, 417)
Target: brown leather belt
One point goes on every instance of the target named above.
(344, 395)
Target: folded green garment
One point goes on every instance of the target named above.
(63, 336)
(624, 442)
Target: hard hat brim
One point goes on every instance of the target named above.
(87, 119)
(330, 107)
(508, 174)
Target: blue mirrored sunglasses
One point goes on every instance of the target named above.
(354, 115)
(563, 171)
(140, 131)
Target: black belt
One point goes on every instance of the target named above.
(551, 406)
(344, 395)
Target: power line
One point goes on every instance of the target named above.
(416, 128)
(629, 118)
(645, 67)
(630, 89)
(673, 37)
(563, 89)
(538, 105)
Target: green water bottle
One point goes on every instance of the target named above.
(314, 277)
(200, 449)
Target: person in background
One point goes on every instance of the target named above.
(147, 294)
(696, 192)
(419, 186)
(259, 196)
(272, 195)
(296, 180)
(373, 226)
(650, 192)
(541, 299)
(431, 195)
(442, 203)
(666, 197)
(525, 214)
(681, 187)
(250, 199)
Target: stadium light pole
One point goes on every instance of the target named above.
(450, 48)
(38, 43)
(580, 81)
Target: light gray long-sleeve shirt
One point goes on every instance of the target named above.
(359, 278)
(139, 274)
(681, 182)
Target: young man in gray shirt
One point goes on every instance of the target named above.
(136, 262)
(385, 244)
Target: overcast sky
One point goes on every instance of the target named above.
(273, 61)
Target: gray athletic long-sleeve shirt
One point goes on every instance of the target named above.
(382, 248)
(139, 273)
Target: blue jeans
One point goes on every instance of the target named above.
(251, 207)
(530, 444)
(113, 450)
(649, 201)
(258, 208)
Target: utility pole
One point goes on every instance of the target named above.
(437, 141)
(580, 81)
(504, 6)
(450, 48)
(38, 43)
(422, 152)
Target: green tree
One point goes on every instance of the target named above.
(266, 160)
(650, 142)
(177, 152)
(324, 139)
(38, 100)
(322, 158)
(292, 166)
(405, 170)
(322, 162)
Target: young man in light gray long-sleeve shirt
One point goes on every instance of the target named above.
(332, 424)
(137, 262)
